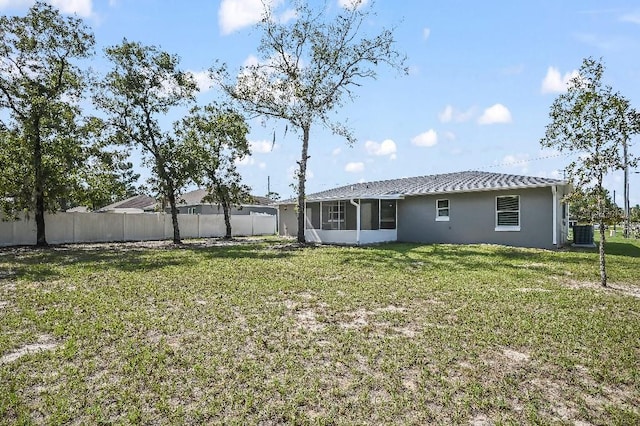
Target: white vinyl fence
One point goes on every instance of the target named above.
(105, 227)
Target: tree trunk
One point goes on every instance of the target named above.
(174, 216)
(302, 177)
(227, 219)
(41, 239)
(603, 269)
(601, 208)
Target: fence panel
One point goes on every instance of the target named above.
(143, 227)
(104, 227)
(212, 225)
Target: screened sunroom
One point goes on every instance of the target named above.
(351, 221)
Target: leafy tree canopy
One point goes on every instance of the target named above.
(143, 86)
(595, 122)
(308, 68)
(41, 84)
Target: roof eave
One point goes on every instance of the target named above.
(502, 188)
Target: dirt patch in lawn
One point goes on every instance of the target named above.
(134, 245)
(317, 316)
(625, 289)
(44, 343)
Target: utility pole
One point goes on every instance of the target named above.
(268, 186)
(615, 206)
(626, 189)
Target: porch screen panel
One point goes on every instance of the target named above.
(369, 215)
(313, 216)
(387, 214)
(351, 213)
(333, 215)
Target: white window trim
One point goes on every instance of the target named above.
(395, 221)
(443, 218)
(504, 228)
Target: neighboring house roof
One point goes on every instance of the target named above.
(138, 202)
(194, 198)
(469, 181)
(78, 209)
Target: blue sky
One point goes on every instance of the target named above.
(482, 78)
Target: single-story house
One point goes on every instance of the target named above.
(135, 204)
(459, 208)
(191, 203)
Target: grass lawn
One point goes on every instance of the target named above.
(264, 333)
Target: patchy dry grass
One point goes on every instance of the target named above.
(268, 333)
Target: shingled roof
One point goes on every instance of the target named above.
(194, 198)
(141, 202)
(470, 181)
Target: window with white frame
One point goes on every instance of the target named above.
(333, 215)
(387, 214)
(191, 210)
(442, 210)
(508, 213)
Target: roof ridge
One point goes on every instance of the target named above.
(462, 181)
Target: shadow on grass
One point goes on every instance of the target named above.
(45, 264)
(622, 249)
(473, 258)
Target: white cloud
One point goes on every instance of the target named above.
(450, 136)
(555, 82)
(336, 152)
(516, 161)
(426, 32)
(634, 18)
(446, 115)
(548, 152)
(386, 147)
(497, 113)
(236, 14)
(354, 167)
(247, 160)
(287, 16)
(262, 147)
(262, 165)
(251, 60)
(428, 138)
(349, 4)
(203, 80)
(449, 114)
(557, 174)
(83, 8)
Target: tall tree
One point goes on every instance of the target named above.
(143, 86)
(587, 119)
(218, 138)
(309, 66)
(584, 207)
(108, 177)
(41, 84)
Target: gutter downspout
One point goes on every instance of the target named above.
(554, 191)
(357, 205)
